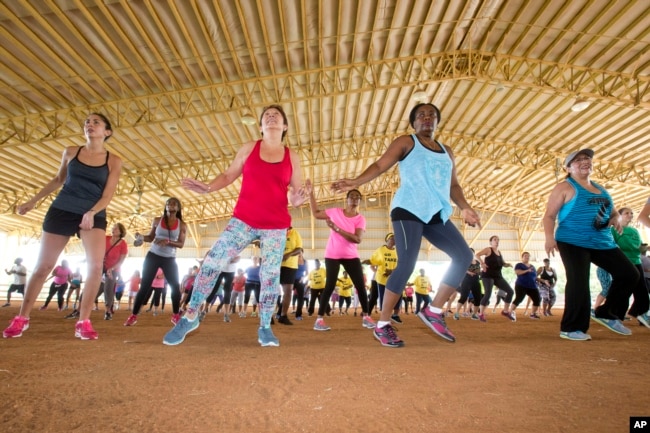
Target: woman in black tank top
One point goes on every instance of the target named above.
(491, 276)
(89, 176)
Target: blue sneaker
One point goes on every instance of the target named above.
(266, 338)
(644, 319)
(614, 325)
(177, 334)
(575, 336)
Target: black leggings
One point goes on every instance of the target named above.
(254, 287)
(354, 270)
(470, 284)
(489, 282)
(227, 278)
(59, 290)
(521, 292)
(149, 269)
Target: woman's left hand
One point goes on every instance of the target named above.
(471, 217)
(88, 220)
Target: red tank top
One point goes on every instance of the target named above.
(263, 201)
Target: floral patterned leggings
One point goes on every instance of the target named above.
(236, 236)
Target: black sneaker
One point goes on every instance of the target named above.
(284, 320)
(73, 315)
(395, 318)
(108, 316)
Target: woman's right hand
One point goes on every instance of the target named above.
(25, 207)
(550, 246)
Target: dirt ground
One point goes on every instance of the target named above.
(498, 377)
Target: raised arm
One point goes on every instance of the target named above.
(315, 211)
(396, 150)
(224, 179)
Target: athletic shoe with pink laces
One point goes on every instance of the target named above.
(436, 322)
(16, 327)
(132, 320)
(387, 336)
(176, 317)
(84, 329)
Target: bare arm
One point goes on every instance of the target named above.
(561, 193)
(315, 211)
(644, 215)
(457, 196)
(224, 179)
(396, 150)
(53, 184)
(297, 191)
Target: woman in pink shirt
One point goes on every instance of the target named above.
(62, 275)
(347, 226)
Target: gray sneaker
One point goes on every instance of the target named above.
(266, 338)
(575, 336)
(644, 319)
(177, 334)
(614, 325)
(226, 318)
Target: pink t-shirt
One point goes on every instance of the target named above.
(337, 246)
(61, 275)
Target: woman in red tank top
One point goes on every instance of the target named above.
(271, 178)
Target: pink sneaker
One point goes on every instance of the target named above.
(367, 322)
(176, 317)
(436, 322)
(16, 327)
(84, 330)
(132, 320)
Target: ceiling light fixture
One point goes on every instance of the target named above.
(419, 95)
(203, 225)
(580, 105)
(499, 87)
(372, 199)
(248, 119)
(497, 170)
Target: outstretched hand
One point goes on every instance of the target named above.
(195, 185)
(343, 185)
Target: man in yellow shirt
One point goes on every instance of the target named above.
(288, 270)
(385, 258)
(316, 285)
(422, 286)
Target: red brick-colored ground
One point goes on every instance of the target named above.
(498, 377)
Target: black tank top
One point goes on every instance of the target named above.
(494, 264)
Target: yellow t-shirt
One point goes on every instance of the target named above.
(385, 259)
(317, 278)
(345, 286)
(294, 240)
(422, 285)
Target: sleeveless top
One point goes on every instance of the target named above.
(494, 265)
(425, 182)
(163, 233)
(263, 201)
(83, 187)
(548, 276)
(584, 220)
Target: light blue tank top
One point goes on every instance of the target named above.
(425, 181)
(584, 220)
(163, 233)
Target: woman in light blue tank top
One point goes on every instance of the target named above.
(585, 211)
(421, 208)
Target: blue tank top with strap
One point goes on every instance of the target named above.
(584, 220)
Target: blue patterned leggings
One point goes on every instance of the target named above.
(236, 236)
